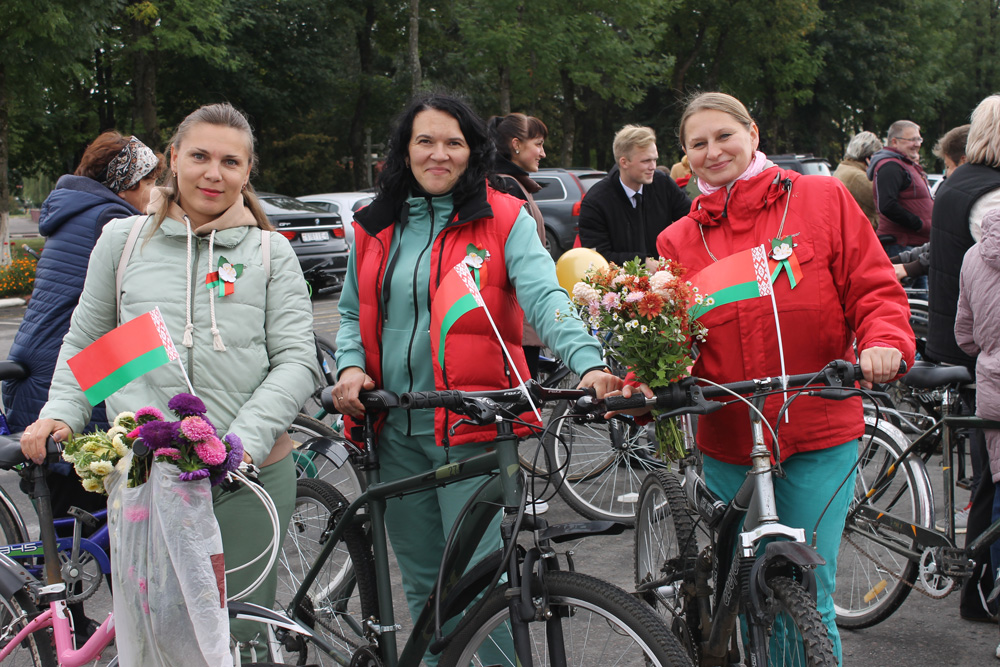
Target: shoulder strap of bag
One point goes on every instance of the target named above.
(265, 249)
(133, 237)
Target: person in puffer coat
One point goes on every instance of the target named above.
(248, 349)
(976, 325)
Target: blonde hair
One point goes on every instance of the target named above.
(983, 146)
(632, 136)
(862, 145)
(222, 115)
(714, 102)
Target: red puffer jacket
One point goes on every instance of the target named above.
(848, 290)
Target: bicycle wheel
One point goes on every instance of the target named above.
(531, 451)
(873, 577)
(36, 649)
(600, 466)
(343, 594)
(601, 625)
(795, 632)
(326, 352)
(10, 530)
(308, 464)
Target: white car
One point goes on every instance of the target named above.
(344, 204)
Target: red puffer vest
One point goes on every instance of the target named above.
(474, 360)
(916, 198)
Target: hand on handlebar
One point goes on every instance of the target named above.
(34, 437)
(345, 393)
(879, 364)
(628, 391)
(603, 383)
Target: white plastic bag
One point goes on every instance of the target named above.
(167, 570)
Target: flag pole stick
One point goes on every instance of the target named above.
(186, 378)
(781, 353)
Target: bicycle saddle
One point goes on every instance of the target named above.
(10, 452)
(925, 375)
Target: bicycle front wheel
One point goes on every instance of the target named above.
(600, 467)
(873, 575)
(36, 649)
(343, 594)
(665, 544)
(796, 635)
(600, 625)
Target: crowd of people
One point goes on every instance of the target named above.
(456, 188)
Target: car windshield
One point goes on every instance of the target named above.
(277, 203)
(820, 168)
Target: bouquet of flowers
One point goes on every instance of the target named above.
(642, 311)
(191, 443)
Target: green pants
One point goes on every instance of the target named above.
(812, 479)
(418, 525)
(246, 531)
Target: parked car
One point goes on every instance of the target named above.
(344, 204)
(805, 163)
(316, 235)
(934, 181)
(559, 201)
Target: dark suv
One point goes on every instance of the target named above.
(316, 236)
(559, 201)
(805, 163)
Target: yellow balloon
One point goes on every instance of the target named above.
(574, 264)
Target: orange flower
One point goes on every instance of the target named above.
(650, 306)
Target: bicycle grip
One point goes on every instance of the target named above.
(614, 403)
(414, 400)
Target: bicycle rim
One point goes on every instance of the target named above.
(601, 625)
(872, 578)
(36, 649)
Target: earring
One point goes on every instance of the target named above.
(174, 174)
(517, 152)
(244, 188)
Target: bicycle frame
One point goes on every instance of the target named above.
(505, 488)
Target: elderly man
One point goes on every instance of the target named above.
(852, 172)
(902, 196)
(622, 215)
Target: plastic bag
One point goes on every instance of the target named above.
(167, 571)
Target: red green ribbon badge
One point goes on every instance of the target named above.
(475, 260)
(783, 257)
(225, 277)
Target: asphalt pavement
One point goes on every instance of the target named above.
(922, 631)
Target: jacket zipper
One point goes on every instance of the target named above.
(413, 282)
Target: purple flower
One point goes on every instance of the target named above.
(194, 475)
(235, 456)
(212, 451)
(146, 414)
(197, 429)
(157, 434)
(186, 405)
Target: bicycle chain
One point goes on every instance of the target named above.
(891, 573)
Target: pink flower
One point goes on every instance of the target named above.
(143, 586)
(134, 434)
(197, 429)
(611, 301)
(136, 514)
(168, 452)
(212, 451)
(633, 297)
(148, 413)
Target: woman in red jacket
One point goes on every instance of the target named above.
(846, 291)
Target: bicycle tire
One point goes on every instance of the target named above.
(345, 479)
(791, 607)
(532, 452)
(10, 531)
(326, 354)
(600, 466)
(37, 648)
(344, 593)
(631, 634)
(873, 580)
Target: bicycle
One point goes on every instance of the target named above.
(889, 538)
(545, 612)
(45, 637)
(772, 587)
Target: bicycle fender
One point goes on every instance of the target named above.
(776, 559)
(13, 577)
(335, 451)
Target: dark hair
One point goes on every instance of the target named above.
(953, 144)
(104, 149)
(504, 129)
(396, 181)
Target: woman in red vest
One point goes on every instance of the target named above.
(433, 210)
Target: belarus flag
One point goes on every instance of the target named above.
(122, 355)
(744, 275)
(456, 295)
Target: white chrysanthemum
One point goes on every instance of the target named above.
(620, 338)
(91, 447)
(119, 444)
(117, 430)
(643, 329)
(585, 294)
(660, 280)
(92, 485)
(121, 417)
(101, 467)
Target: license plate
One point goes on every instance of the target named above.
(311, 237)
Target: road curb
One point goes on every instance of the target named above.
(10, 303)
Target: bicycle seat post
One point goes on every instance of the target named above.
(760, 457)
(46, 523)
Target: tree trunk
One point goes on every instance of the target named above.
(103, 94)
(4, 184)
(144, 118)
(414, 46)
(504, 90)
(356, 137)
(568, 120)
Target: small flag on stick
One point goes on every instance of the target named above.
(744, 275)
(122, 355)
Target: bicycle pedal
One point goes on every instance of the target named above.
(964, 483)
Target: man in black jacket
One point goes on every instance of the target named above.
(622, 215)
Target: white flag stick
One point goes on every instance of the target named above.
(168, 344)
(781, 353)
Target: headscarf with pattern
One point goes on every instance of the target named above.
(130, 166)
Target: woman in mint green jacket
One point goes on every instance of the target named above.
(249, 354)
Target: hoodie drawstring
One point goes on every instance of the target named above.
(188, 340)
(216, 336)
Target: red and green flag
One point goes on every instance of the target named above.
(744, 275)
(122, 355)
(456, 295)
